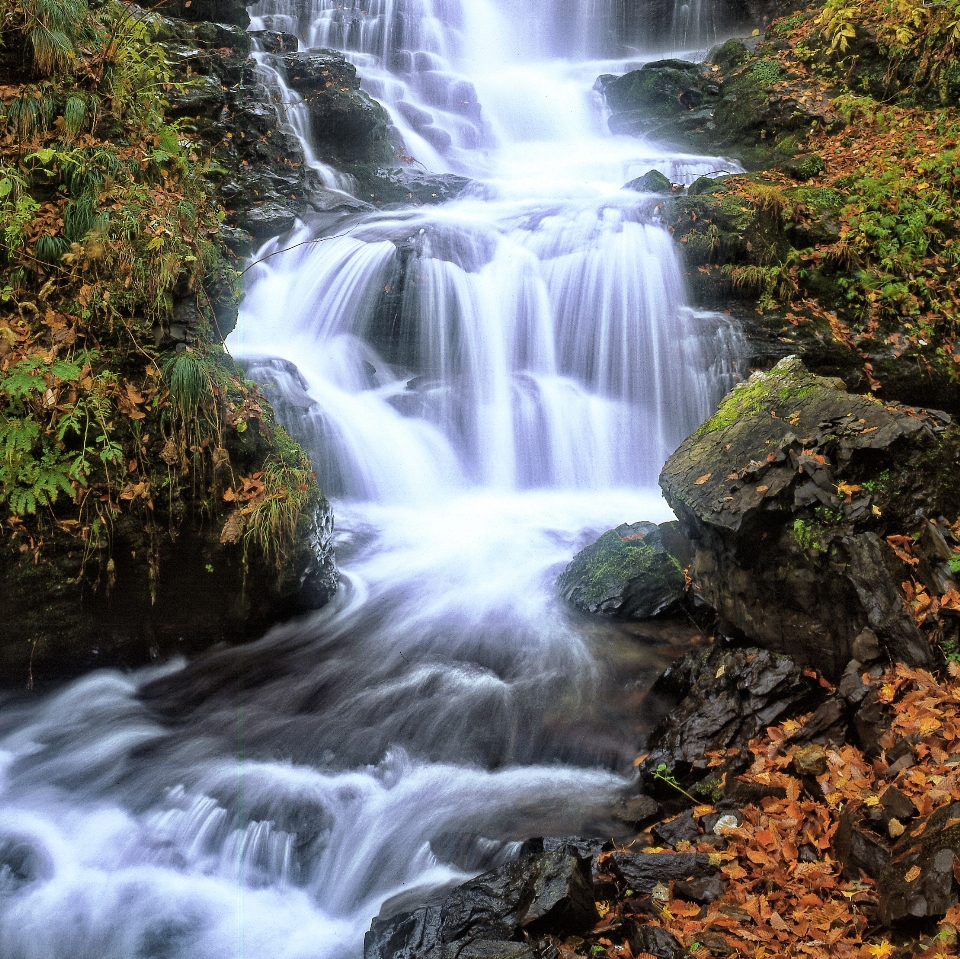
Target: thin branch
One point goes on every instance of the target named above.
(287, 249)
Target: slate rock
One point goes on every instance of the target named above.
(752, 488)
(637, 810)
(706, 890)
(682, 828)
(727, 697)
(919, 879)
(546, 892)
(656, 942)
(858, 848)
(641, 871)
(627, 572)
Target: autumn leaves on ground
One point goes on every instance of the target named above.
(784, 888)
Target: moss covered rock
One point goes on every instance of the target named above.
(790, 492)
(627, 572)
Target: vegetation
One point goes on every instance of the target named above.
(861, 108)
(107, 227)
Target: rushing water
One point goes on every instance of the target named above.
(484, 387)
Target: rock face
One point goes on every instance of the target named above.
(789, 493)
(493, 915)
(919, 879)
(628, 572)
(726, 697)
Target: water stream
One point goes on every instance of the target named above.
(484, 386)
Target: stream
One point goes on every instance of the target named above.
(514, 396)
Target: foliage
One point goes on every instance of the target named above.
(784, 892)
(105, 213)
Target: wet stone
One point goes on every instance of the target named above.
(642, 871)
(919, 879)
(699, 890)
(656, 942)
(681, 829)
(859, 849)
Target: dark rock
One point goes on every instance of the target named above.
(656, 942)
(778, 554)
(828, 724)
(348, 125)
(730, 697)
(653, 181)
(637, 811)
(699, 890)
(627, 572)
(676, 543)
(267, 220)
(932, 847)
(898, 805)
(682, 828)
(547, 892)
(851, 686)
(859, 849)
(641, 871)
(274, 42)
(216, 11)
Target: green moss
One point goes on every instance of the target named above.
(781, 389)
(819, 197)
(612, 561)
(765, 73)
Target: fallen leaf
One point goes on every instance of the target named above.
(702, 479)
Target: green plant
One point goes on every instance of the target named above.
(877, 484)
(664, 774)
(765, 73)
(808, 538)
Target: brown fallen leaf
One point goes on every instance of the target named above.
(702, 479)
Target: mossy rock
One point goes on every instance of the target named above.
(627, 572)
(789, 492)
(653, 181)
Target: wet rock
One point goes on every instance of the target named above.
(348, 125)
(642, 871)
(671, 99)
(919, 879)
(267, 220)
(793, 560)
(897, 804)
(627, 572)
(682, 828)
(637, 811)
(859, 849)
(272, 41)
(216, 11)
(655, 941)
(652, 181)
(547, 892)
(706, 890)
(727, 698)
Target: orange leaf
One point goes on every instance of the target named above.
(912, 873)
(702, 479)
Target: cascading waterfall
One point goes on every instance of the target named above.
(484, 387)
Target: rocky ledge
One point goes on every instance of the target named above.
(804, 503)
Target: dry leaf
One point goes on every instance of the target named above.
(702, 479)
(895, 828)
(231, 530)
(912, 873)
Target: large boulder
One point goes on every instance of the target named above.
(348, 125)
(790, 494)
(546, 892)
(627, 572)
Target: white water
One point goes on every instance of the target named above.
(485, 386)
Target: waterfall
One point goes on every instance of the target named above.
(484, 386)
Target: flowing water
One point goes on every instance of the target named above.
(484, 386)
